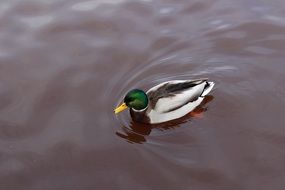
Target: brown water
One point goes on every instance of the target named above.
(64, 66)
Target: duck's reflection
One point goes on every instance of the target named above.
(137, 132)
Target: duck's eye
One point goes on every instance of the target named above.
(128, 99)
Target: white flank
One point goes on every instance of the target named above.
(158, 117)
(172, 102)
(160, 113)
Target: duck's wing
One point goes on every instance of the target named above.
(173, 95)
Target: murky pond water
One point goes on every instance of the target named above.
(64, 66)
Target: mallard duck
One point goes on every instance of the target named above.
(166, 101)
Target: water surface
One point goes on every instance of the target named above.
(64, 66)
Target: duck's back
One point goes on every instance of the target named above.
(174, 99)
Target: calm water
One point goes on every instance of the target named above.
(64, 66)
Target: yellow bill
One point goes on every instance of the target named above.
(122, 107)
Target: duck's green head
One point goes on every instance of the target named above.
(136, 99)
